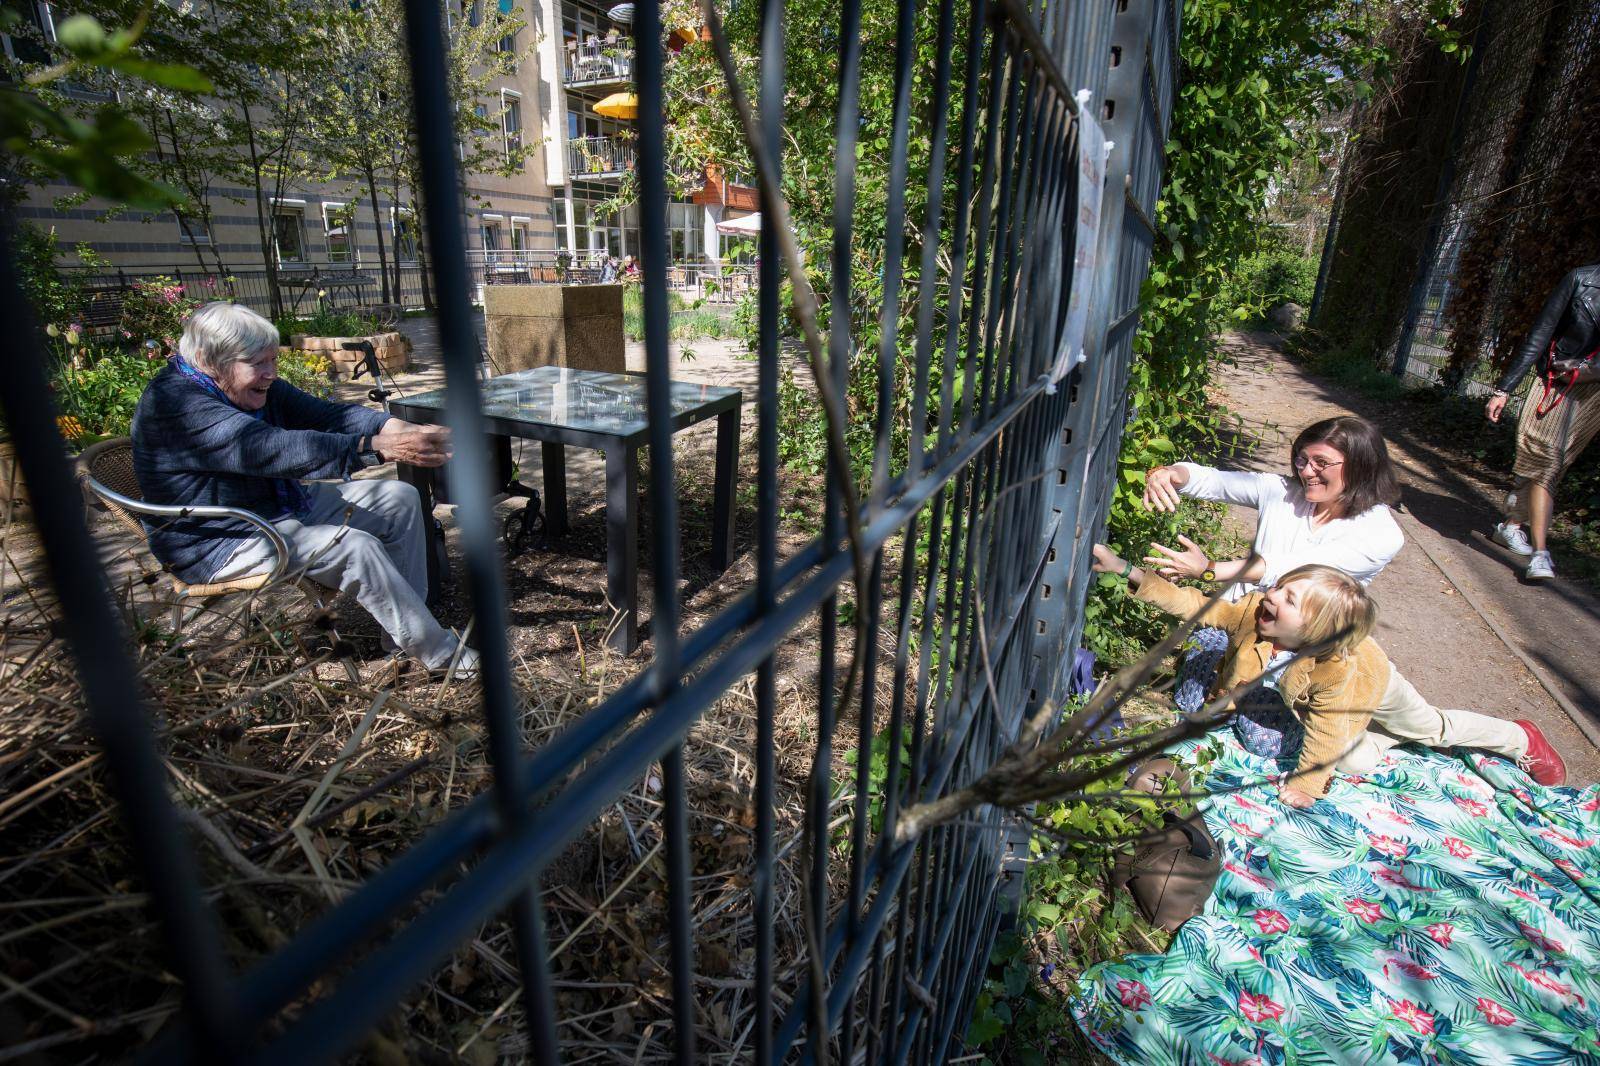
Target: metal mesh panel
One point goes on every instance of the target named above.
(993, 515)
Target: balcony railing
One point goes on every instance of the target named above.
(598, 61)
(600, 156)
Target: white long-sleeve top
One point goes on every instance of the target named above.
(1360, 545)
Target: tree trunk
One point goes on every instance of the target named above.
(422, 253)
(377, 220)
(263, 222)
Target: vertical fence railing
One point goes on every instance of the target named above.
(1004, 487)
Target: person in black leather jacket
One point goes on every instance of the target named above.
(1558, 418)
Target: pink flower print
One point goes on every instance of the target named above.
(1494, 1013)
(1566, 838)
(1249, 806)
(1259, 1008)
(1133, 994)
(1592, 803)
(1244, 830)
(1397, 878)
(1414, 1016)
(1524, 795)
(1542, 979)
(1388, 845)
(1570, 869)
(1521, 893)
(1254, 953)
(1540, 941)
(1441, 932)
(1250, 876)
(1366, 910)
(1218, 1060)
(1271, 921)
(1411, 968)
(1472, 807)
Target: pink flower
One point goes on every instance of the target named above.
(1494, 1013)
(1414, 1016)
(1540, 941)
(1133, 994)
(1259, 1008)
(1472, 807)
(1389, 846)
(1592, 803)
(1395, 877)
(1442, 932)
(1566, 838)
(1411, 968)
(1522, 893)
(1244, 830)
(1365, 910)
(1458, 847)
(1270, 921)
(1570, 869)
(1541, 979)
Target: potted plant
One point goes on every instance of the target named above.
(325, 334)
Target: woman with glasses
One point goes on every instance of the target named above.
(1331, 509)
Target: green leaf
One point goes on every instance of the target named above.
(168, 75)
(82, 35)
(984, 1029)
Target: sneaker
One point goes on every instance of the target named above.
(1512, 537)
(1542, 762)
(466, 667)
(1540, 568)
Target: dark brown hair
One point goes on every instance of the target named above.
(1368, 478)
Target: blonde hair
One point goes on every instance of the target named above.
(1338, 612)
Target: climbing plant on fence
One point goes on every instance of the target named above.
(1259, 79)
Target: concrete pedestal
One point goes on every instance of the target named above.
(576, 326)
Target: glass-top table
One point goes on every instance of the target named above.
(558, 406)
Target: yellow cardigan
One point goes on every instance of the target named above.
(1333, 696)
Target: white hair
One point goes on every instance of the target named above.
(220, 333)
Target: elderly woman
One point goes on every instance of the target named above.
(219, 427)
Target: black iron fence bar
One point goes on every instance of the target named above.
(436, 148)
(111, 690)
(770, 327)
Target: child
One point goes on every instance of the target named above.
(1335, 694)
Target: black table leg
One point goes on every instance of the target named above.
(421, 479)
(554, 458)
(622, 543)
(722, 507)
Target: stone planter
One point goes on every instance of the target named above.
(393, 350)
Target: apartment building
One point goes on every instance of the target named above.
(579, 54)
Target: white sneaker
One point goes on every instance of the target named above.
(1512, 537)
(1540, 568)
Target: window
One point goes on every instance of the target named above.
(511, 124)
(685, 232)
(475, 14)
(519, 234)
(289, 233)
(338, 226)
(38, 21)
(508, 43)
(403, 225)
(489, 234)
(558, 212)
(193, 231)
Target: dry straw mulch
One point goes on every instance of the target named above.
(302, 761)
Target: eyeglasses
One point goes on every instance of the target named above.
(1317, 465)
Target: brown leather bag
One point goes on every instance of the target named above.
(1171, 874)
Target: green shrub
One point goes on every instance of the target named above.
(97, 390)
(56, 296)
(1276, 271)
(326, 322)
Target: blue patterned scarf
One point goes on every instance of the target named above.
(291, 496)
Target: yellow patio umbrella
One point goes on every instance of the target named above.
(619, 105)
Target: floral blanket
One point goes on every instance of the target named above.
(1437, 910)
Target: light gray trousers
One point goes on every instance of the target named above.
(1403, 715)
(364, 538)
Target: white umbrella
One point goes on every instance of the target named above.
(746, 226)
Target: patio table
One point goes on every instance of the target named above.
(558, 407)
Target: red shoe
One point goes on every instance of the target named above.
(1542, 762)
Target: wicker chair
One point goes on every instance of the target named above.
(105, 471)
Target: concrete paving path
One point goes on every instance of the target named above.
(1455, 615)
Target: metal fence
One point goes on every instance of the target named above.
(338, 285)
(993, 513)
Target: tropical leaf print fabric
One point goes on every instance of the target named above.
(1439, 909)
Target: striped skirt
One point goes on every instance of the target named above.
(1548, 444)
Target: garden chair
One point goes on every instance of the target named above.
(105, 472)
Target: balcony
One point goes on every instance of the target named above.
(599, 64)
(600, 158)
